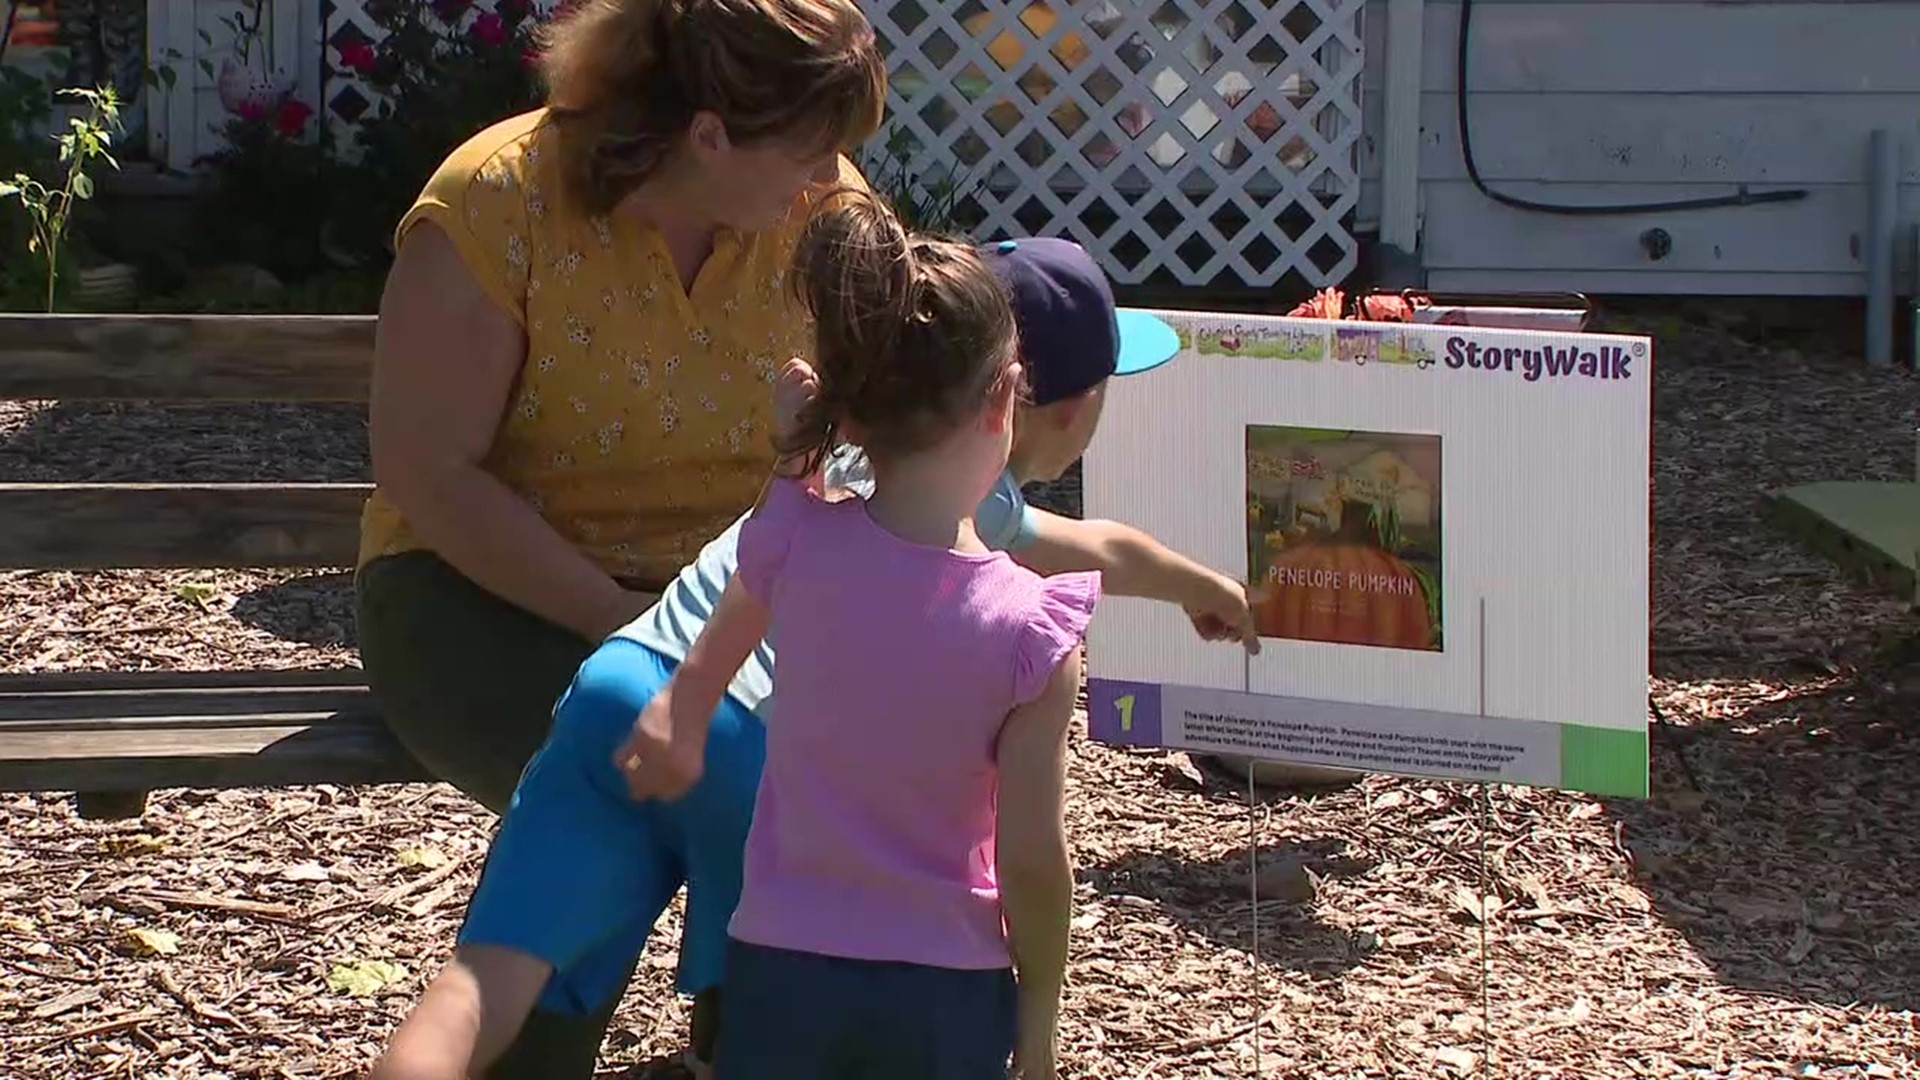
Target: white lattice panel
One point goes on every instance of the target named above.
(1187, 142)
(1184, 141)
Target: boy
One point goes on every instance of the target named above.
(573, 883)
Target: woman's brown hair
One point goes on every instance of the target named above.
(913, 333)
(624, 78)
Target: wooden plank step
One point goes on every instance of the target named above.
(186, 357)
(267, 751)
(199, 526)
(135, 731)
(1871, 529)
(53, 682)
(204, 705)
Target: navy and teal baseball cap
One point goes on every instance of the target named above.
(1071, 333)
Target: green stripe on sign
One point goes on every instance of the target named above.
(1603, 761)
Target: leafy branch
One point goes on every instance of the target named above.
(924, 203)
(49, 209)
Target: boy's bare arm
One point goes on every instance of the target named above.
(1132, 563)
(1033, 866)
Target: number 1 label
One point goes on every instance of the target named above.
(1124, 705)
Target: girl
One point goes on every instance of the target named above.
(911, 797)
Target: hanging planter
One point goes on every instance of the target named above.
(244, 84)
(246, 91)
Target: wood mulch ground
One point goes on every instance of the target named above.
(1765, 924)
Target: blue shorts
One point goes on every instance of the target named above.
(802, 1016)
(579, 870)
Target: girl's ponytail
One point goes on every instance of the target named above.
(910, 331)
(853, 271)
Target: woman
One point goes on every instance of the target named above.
(570, 388)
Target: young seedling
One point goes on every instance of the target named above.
(50, 209)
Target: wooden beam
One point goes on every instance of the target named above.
(267, 750)
(105, 735)
(108, 526)
(15, 684)
(186, 357)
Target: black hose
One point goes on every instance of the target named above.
(1742, 197)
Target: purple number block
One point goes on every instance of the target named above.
(1123, 713)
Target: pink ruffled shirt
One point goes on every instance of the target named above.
(897, 664)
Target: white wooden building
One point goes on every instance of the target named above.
(1259, 142)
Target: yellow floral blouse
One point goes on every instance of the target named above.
(638, 427)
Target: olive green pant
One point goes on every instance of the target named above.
(467, 682)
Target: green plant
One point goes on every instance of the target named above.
(924, 203)
(270, 184)
(50, 209)
(442, 70)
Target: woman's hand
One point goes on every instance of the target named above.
(795, 387)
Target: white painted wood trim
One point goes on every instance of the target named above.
(1400, 137)
(284, 25)
(170, 112)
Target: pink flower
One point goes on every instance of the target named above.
(357, 57)
(489, 29)
(292, 118)
(252, 110)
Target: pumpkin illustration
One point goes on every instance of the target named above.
(1347, 588)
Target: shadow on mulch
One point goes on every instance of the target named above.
(1792, 869)
(316, 609)
(75, 442)
(1212, 897)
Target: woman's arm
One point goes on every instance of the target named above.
(1032, 863)
(445, 362)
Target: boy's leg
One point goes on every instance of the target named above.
(559, 1043)
(710, 825)
(576, 877)
(464, 1018)
(705, 1033)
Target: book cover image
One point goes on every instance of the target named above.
(1344, 537)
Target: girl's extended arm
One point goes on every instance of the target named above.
(664, 754)
(1032, 863)
(445, 360)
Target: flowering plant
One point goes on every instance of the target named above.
(442, 70)
(270, 190)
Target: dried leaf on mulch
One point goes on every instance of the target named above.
(1766, 924)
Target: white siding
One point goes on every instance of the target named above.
(186, 123)
(1584, 101)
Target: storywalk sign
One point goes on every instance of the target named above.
(1445, 529)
